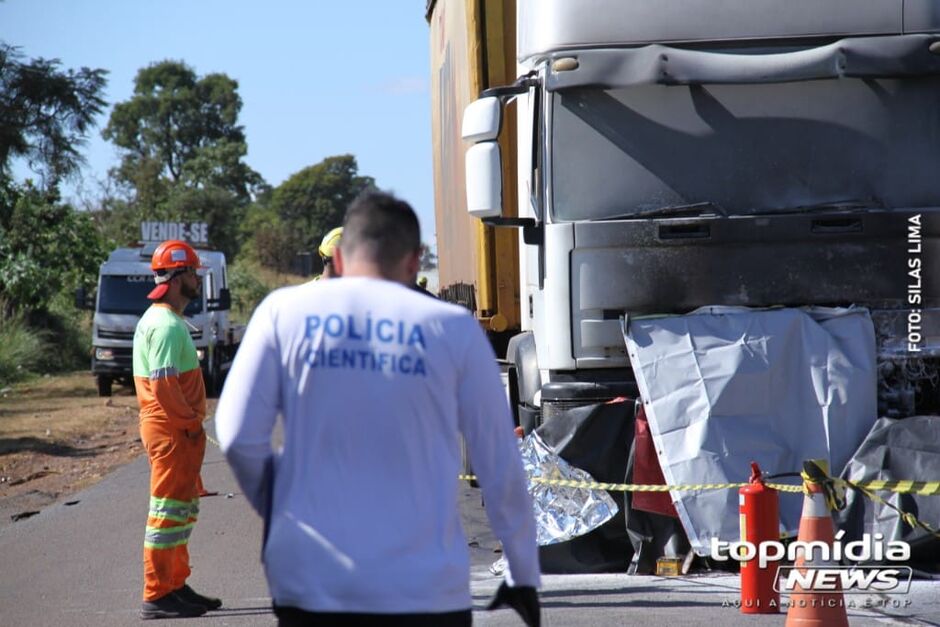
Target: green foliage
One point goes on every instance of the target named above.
(270, 241)
(220, 166)
(21, 347)
(182, 128)
(246, 288)
(68, 329)
(117, 220)
(212, 205)
(295, 215)
(428, 258)
(45, 247)
(314, 200)
(45, 113)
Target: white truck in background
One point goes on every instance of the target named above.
(124, 281)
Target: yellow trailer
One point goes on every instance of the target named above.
(473, 45)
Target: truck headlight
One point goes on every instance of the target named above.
(200, 353)
(104, 354)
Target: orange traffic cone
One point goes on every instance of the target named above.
(826, 609)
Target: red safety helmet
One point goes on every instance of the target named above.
(169, 256)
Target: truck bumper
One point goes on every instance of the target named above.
(120, 365)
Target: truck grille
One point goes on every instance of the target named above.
(111, 334)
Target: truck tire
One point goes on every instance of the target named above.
(217, 381)
(104, 385)
(212, 375)
(208, 376)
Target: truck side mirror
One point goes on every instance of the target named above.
(222, 303)
(84, 300)
(484, 180)
(484, 174)
(482, 120)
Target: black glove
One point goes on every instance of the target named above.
(523, 599)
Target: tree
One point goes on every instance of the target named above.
(217, 207)
(428, 257)
(45, 247)
(176, 120)
(46, 113)
(314, 200)
(183, 150)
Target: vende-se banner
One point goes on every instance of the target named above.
(192, 232)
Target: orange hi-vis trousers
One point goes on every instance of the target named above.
(175, 461)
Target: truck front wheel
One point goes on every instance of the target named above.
(212, 375)
(104, 385)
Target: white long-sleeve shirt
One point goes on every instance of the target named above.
(375, 382)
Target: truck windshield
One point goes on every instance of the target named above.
(748, 149)
(127, 294)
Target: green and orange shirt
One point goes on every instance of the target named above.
(167, 376)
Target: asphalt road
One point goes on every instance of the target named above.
(80, 565)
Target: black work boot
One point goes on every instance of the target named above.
(191, 596)
(170, 605)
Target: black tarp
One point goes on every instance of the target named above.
(896, 450)
(597, 435)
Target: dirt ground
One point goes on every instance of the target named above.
(57, 436)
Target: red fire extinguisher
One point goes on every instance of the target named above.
(760, 522)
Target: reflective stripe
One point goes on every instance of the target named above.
(165, 545)
(166, 537)
(163, 373)
(159, 502)
(194, 508)
(170, 509)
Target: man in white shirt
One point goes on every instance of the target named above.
(375, 383)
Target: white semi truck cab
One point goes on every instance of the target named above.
(124, 281)
(673, 155)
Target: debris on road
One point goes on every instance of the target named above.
(23, 515)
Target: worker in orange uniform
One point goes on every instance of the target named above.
(172, 398)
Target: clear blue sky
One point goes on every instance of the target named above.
(317, 77)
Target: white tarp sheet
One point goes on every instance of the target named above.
(724, 386)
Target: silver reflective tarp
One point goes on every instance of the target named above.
(723, 386)
(561, 513)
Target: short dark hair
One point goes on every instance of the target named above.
(381, 227)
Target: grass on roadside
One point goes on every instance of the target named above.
(21, 348)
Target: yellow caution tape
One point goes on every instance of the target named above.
(817, 472)
(923, 488)
(835, 489)
(636, 487)
(211, 439)
(783, 487)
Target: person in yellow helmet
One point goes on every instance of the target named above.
(421, 285)
(327, 247)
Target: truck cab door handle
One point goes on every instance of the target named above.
(684, 231)
(825, 226)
